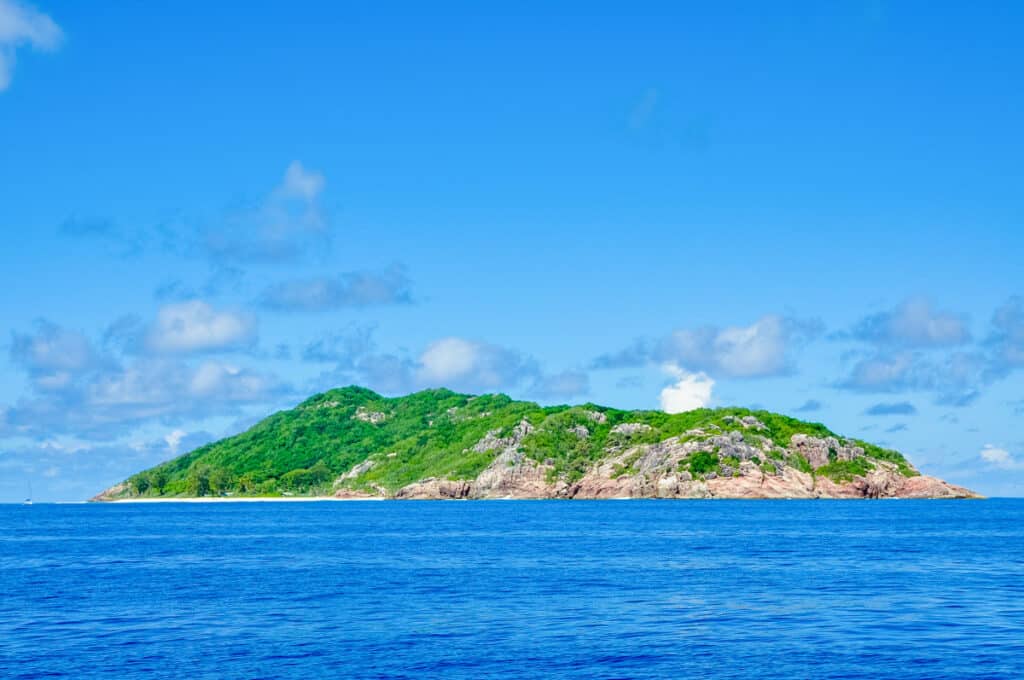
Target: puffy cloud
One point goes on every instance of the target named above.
(101, 404)
(288, 222)
(301, 183)
(900, 408)
(914, 323)
(352, 289)
(761, 349)
(53, 356)
(195, 326)
(912, 352)
(690, 390)
(955, 379)
(741, 351)
(882, 372)
(1001, 458)
(453, 362)
(463, 364)
(22, 25)
(77, 389)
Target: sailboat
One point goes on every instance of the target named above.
(28, 501)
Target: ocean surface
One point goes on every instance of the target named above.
(605, 589)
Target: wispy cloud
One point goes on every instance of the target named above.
(284, 225)
(21, 25)
(913, 323)
(1000, 458)
(351, 289)
(345, 347)
(1006, 338)
(764, 348)
(78, 388)
(809, 406)
(900, 408)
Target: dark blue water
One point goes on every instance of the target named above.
(722, 589)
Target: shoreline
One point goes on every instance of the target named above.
(321, 499)
(241, 499)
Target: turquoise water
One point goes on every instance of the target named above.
(728, 589)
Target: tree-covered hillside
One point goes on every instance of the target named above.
(354, 438)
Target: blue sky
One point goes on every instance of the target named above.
(209, 214)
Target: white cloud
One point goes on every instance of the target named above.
(284, 225)
(449, 358)
(690, 391)
(53, 356)
(475, 366)
(1001, 458)
(757, 350)
(195, 326)
(75, 389)
(301, 183)
(22, 25)
(762, 349)
(173, 440)
(882, 372)
(914, 323)
(459, 364)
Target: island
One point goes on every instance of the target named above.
(352, 443)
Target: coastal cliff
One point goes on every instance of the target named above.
(437, 444)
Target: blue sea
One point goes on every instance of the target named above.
(603, 589)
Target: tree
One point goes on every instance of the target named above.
(199, 482)
(159, 479)
(220, 480)
(140, 483)
(247, 483)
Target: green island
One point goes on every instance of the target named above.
(354, 443)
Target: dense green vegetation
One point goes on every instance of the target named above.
(846, 470)
(436, 433)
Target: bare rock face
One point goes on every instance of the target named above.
(490, 442)
(630, 429)
(357, 470)
(817, 450)
(513, 475)
(112, 493)
(882, 482)
(924, 486)
(748, 422)
(433, 488)
(350, 494)
(580, 431)
(373, 417)
(749, 466)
